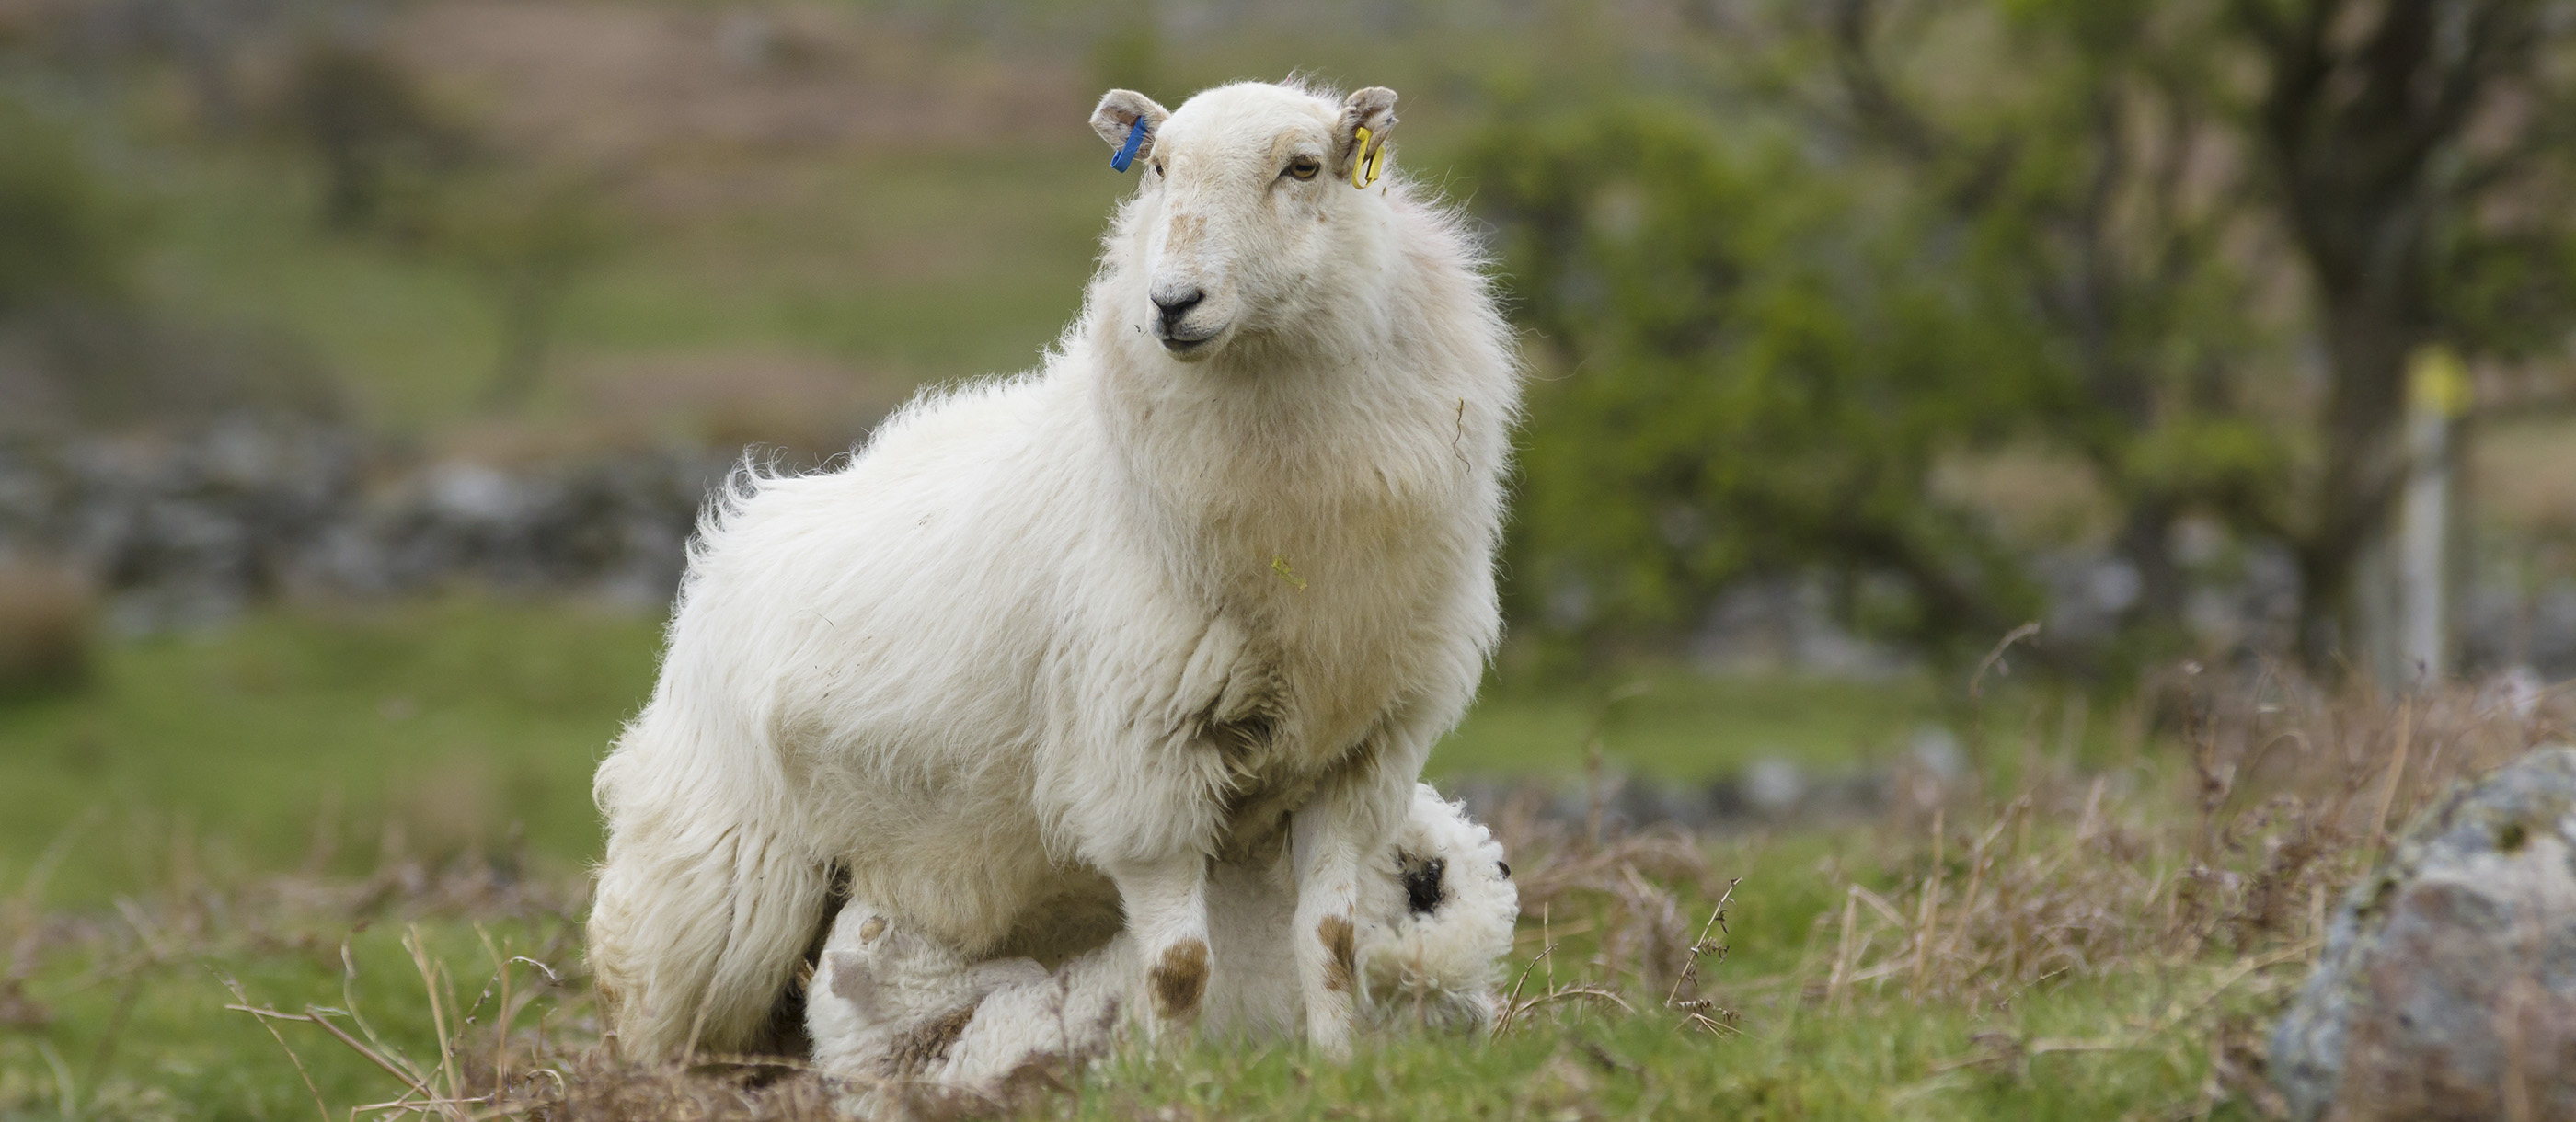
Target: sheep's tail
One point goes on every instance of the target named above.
(698, 928)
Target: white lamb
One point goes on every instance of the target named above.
(1053, 654)
(890, 1009)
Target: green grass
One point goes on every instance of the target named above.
(1879, 1060)
(472, 720)
(193, 769)
(464, 721)
(1677, 725)
(138, 1027)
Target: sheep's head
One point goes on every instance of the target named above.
(1248, 202)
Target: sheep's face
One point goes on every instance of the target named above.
(1247, 206)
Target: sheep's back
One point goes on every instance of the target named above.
(875, 631)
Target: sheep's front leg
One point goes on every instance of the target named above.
(1332, 836)
(1166, 905)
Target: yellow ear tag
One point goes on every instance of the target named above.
(1367, 163)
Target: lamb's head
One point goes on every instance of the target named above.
(1247, 207)
(1443, 913)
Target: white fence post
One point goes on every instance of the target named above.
(2437, 394)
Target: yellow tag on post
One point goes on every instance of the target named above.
(2438, 382)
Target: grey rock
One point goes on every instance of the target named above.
(1774, 623)
(2447, 988)
(1631, 804)
(1937, 750)
(1774, 785)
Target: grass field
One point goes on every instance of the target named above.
(474, 723)
(291, 804)
(841, 269)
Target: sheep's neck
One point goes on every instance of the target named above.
(1286, 459)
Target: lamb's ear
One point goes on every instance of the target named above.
(1117, 115)
(1372, 109)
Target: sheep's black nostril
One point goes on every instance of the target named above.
(1174, 305)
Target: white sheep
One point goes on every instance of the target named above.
(891, 1010)
(1054, 653)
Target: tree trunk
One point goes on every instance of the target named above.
(2145, 542)
(2367, 345)
(528, 303)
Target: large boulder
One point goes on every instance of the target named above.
(2447, 989)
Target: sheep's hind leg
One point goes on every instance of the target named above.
(1166, 905)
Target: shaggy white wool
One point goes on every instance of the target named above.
(889, 1006)
(1180, 613)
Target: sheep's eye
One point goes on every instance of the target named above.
(1304, 167)
(1158, 167)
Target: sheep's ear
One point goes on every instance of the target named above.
(1118, 113)
(1372, 109)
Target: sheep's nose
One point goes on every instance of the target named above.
(1176, 303)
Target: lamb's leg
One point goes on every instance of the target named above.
(888, 1000)
(1166, 905)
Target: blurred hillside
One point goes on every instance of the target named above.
(341, 298)
(809, 208)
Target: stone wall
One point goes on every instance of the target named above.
(182, 528)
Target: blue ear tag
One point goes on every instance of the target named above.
(1127, 152)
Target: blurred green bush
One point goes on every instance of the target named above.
(64, 234)
(1751, 368)
(2184, 252)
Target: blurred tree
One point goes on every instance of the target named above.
(2417, 153)
(86, 347)
(529, 233)
(1757, 382)
(364, 117)
(63, 234)
(394, 165)
(2114, 227)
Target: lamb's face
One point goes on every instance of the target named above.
(1444, 911)
(1247, 205)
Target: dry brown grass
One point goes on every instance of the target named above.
(2215, 872)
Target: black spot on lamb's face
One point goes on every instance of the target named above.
(1423, 887)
